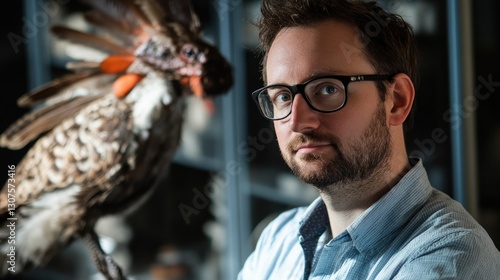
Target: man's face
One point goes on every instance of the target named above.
(326, 149)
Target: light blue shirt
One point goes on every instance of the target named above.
(412, 232)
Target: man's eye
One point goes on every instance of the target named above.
(328, 90)
(325, 87)
(282, 97)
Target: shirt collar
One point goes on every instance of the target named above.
(393, 210)
(314, 220)
(370, 229)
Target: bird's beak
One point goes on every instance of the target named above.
(196, 87)
(194, 84)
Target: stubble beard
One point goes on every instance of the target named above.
(361, 161)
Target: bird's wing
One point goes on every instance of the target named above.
(90, 40)
(82, 150)
(54, 101)
(65, 87)
(33, 124)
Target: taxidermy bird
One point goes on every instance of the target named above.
(105, 133)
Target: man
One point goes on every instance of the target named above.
(340, 78)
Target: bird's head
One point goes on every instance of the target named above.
(162, 36)
(206, 72)
(198, 65)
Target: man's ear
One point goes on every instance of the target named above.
(401, 93)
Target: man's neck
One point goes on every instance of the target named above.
(344, 209)
(346, 202)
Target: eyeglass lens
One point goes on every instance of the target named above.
(324, 94)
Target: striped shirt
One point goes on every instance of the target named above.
(413, 232)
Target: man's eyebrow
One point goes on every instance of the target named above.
(326, 72)
(312, 75)
(323, 74)
(315, 74)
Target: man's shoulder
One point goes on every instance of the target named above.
(277, 248)
(443, 223)
(440, 209)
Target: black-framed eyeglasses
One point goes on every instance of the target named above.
(324, 94)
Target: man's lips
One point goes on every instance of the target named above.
(311, 147)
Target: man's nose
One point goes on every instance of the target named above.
(302, 118)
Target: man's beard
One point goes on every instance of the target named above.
(353, 163)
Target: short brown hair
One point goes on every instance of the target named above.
(390, 45)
